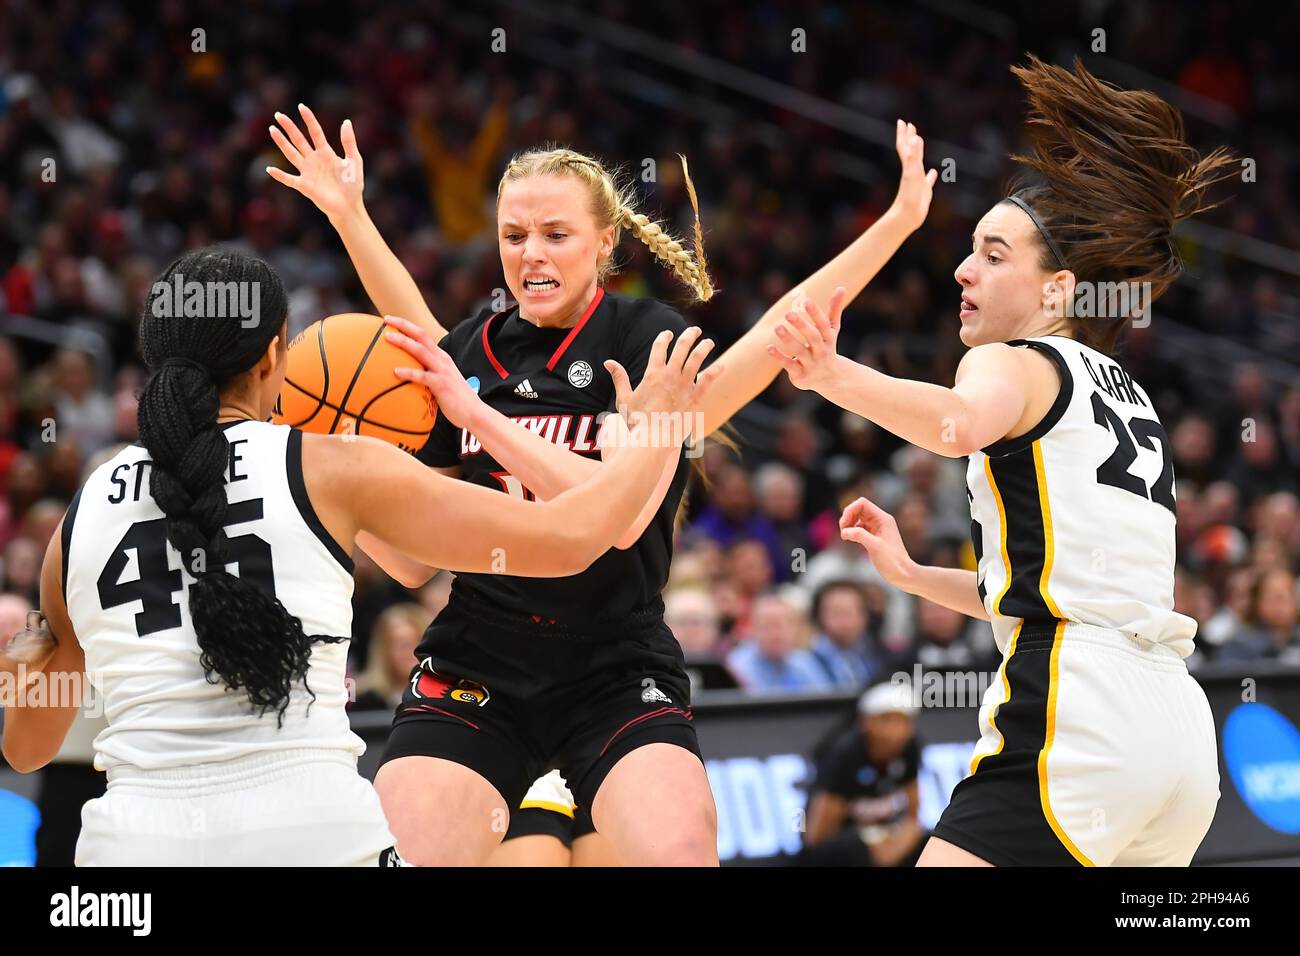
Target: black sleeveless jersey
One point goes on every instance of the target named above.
(554, 382)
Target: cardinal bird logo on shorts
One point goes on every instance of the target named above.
(429, 684)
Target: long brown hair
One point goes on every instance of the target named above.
(1114, 174)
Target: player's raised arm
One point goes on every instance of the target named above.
(335, 183)
(749, 367)
(997, 386)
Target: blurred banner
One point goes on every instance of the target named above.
(758, 754)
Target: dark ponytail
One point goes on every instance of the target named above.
(248, 639)
(1112, 174)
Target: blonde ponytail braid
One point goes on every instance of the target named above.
(691, 269)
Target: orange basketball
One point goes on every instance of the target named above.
(341, 382)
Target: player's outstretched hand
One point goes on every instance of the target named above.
(333, 182)
(32, 646)
(672, 384)
(806, 342)
(875, 530)
(915, 185)
(437, 372)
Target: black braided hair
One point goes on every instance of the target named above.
(247, 638)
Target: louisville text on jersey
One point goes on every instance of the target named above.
(571, 432)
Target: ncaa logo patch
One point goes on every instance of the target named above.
(473, 383)
(580, 374)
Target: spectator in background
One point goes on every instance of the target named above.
(796, 448)
(1273, 625)
(865, 801)
(779, 491)
(842, 646)
(947, 640)
(1277, 518)
(693, 618)
(1192, 441)
(1246, 409)
(393, 640)
(81, 412)
(11, 370)
(39, 524)
(749, 573)
(458, 159)
(1229, 619)
(13, 615)
(20, 573)
(731, 515)
(1259, 469)
(771, 661)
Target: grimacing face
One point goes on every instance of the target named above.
(550, 247)
(1003, 293)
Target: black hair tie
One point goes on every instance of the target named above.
(177, 361)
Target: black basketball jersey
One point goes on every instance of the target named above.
(553, 381)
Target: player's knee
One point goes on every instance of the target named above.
(692, 842)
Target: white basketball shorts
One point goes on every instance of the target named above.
(1096, 749)
(283, 808)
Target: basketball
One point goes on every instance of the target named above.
(340, 382)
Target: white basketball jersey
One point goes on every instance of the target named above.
(1075, 519)
(128, 599)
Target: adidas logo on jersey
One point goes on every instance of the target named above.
(525, 388)
(652, 694)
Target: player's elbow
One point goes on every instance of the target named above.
(413, 580)
(584, 545)
(24, 759)
(630, 537)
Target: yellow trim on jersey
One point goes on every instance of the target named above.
(1002, 534)
(561, 808)
(1053, 688)
(1006, 696)
(1049, 539)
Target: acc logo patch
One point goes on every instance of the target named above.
(580, 374)
(428, 684)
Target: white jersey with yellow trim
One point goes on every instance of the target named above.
(1075, 519)
(128, 599)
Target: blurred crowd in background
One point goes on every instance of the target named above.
(120, 147)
